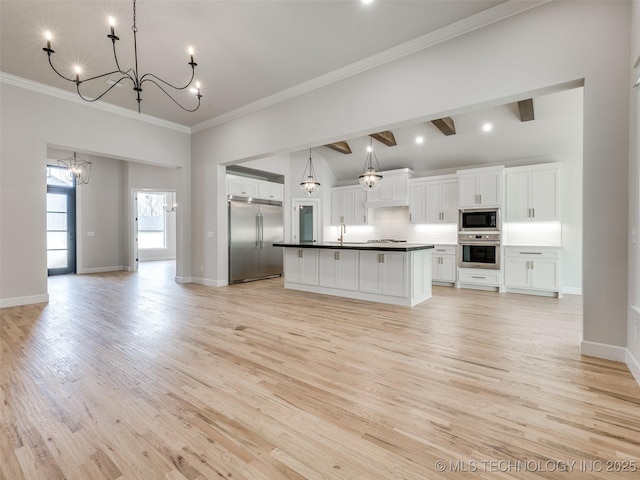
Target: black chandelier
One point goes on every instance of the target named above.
(130, 74)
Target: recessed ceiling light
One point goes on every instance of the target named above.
(366, 2)
(419, 140)
(487, 127)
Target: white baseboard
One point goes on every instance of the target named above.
(634, 366)
(28, 300)
(603, 350)
(156, 258)
(183, 279)
(572, 290)
(209, 283)
(118, 268)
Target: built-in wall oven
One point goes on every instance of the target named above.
(479, 250)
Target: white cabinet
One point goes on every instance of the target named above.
(417, 201)
(384, 273)
(393, 190)
(241, 186)
(479, 277)
(338, 269)
(301, 265)
(533, 269)
(433, 200)
(480, 187)
(271, 191)
(248, 187)
(348, 203)
(533, 193)
(442, 200)
(443, 263)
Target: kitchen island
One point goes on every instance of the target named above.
(394, 273)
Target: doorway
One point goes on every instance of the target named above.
(61, 221)
(155, 226)
(306, 221)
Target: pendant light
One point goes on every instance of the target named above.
(78, 169)
(309, 184)
(370, 178)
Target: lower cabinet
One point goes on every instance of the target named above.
(338, 269)
(479, 277)
(393, 277)
(532, 269)
(384, 273)
(301, 265)
(444, 264)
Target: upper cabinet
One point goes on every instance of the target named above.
(433, 200)
(533, 193)
(393, 190)
(249, 187)
(480, 187)
(348, 205)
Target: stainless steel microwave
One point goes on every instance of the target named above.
(479, 219)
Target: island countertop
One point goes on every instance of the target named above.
(387, 247)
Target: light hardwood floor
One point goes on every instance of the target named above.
(129, 376)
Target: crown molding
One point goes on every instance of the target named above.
(487, 17)
(37, 87)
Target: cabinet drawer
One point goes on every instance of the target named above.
(480, 277)
(531, 252)
(444, 250)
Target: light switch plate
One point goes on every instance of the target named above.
(210, 234)
(91, 234)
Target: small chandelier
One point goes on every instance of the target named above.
(309, 184)
(174, 205)
(78, 169)
(370, 178)
(130, 74)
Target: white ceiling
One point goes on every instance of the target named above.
(245, 50)
(248, 51)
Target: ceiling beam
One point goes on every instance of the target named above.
(445, 125)
(342, 147)
(526, 110)
(385, 137)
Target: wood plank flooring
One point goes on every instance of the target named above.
(132, 376)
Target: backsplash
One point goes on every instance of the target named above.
(393, 222)
(535, 233)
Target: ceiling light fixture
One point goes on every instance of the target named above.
(487, 127)
(419, 140)
(130, 74)
(78, 169)
(310, 186)
(370, 178)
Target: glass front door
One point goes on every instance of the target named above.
(61, 223)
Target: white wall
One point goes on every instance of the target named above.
(30, 122)
(554, 44)
(633, 323)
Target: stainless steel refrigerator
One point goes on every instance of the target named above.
(254, 226)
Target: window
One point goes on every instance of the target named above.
(152, 220)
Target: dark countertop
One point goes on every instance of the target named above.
(387, 247)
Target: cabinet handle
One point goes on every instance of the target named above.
(531, 265)
(381, 258)
(475, 276)
(410, 215)
(299, 253)
(530, 253)
(336, 255)
(533, 213)
(440, 250)
(480, 198)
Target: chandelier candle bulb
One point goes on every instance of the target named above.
(49, 37)
(112, 24)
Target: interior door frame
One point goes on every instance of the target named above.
(296, 203)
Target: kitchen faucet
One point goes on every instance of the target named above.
(343, 230)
